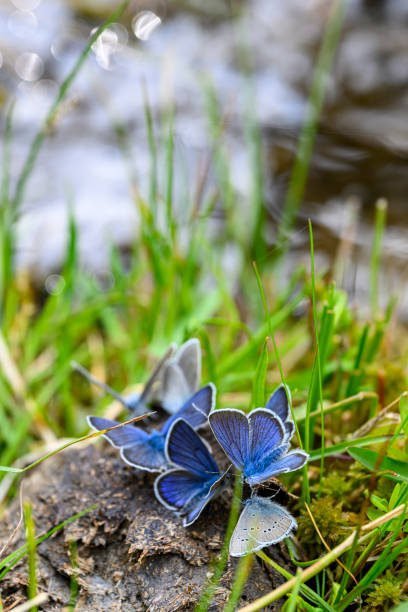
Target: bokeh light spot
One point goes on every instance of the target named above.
(144, 23)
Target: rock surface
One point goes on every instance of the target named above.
(132, 553)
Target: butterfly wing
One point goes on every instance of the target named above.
(278, 403)
(262, 523)
(185, 449)
(289, 429)
(231, 429)
(195, 506)
(127, 435)
(147, 455)
(175, 488)
(188, 358)
(174, 388)
(266, 435)
(286, 463)
(190, 489)
(196, 409)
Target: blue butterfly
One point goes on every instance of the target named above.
(258, 443)
(147, 450)
(188, 488)
(278, 404)
(262, 523)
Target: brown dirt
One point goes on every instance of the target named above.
(133, 554)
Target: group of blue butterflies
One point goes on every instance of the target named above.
(257, 444)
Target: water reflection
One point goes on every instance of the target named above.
(361, 148)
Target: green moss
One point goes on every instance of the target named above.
(336, 485)
(386, 593)
(330, 519)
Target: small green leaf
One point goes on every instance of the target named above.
(379, 503)
(258, 394)
(395, 496)
(371, 460)
(404, 413)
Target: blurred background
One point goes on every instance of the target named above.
(254, 61)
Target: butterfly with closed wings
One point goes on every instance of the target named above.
(174, 379)
(261, 523)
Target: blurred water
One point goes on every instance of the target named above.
(361, 149)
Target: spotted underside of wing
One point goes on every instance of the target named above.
(262, 523)
(230, 427)
(128, 435)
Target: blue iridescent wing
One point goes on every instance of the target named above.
(195, 507)
(127, 435)
(147, 455)
(185, 449)
(176, 487)
(195, 410)
(266, 434)
(230, 427)
(262, 523)
(278, 403)
(289, 429)
(287, 463)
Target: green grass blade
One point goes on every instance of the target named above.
(31, 551)
(294, 595)
(241, 576)
(205, 600)
(7, 563)
(372, 460)
(380, 216)
(315, 455)
(258, 393)
(305, 590)
(319, 367)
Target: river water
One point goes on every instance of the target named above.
(168, 51)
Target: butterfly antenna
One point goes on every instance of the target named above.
(156, 372)
(78, 368)
(199, 410)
